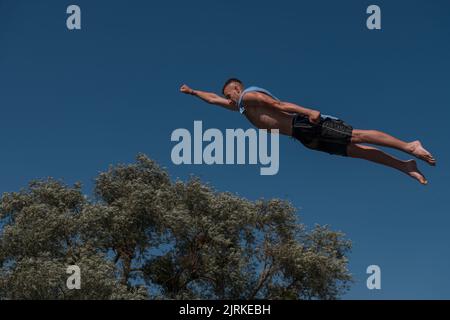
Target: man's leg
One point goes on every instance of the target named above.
(378, 156)
(382, 139)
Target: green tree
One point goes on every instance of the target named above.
(142, 236)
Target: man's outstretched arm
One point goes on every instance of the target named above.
(210, 98)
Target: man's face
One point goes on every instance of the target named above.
(233, 92)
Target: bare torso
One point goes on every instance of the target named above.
(265, 117)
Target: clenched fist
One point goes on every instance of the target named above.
(314, 117)
(185, 89)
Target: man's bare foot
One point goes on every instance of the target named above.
(421, 153)
(412, 171)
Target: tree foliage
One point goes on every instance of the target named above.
(142, 236)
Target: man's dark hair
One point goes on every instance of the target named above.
(231, 81)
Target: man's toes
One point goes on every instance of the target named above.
(419, 177)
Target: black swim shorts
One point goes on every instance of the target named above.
(330, 135)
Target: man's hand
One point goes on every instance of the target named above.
(185, 89)
(314, 117)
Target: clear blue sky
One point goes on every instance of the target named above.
(74, 102)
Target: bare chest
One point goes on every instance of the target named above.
(269, 118)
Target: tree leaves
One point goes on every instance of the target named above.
(146, 237)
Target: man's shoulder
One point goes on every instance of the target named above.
(251, 95)
(255, 96)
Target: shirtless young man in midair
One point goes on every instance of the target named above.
(314, 130)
